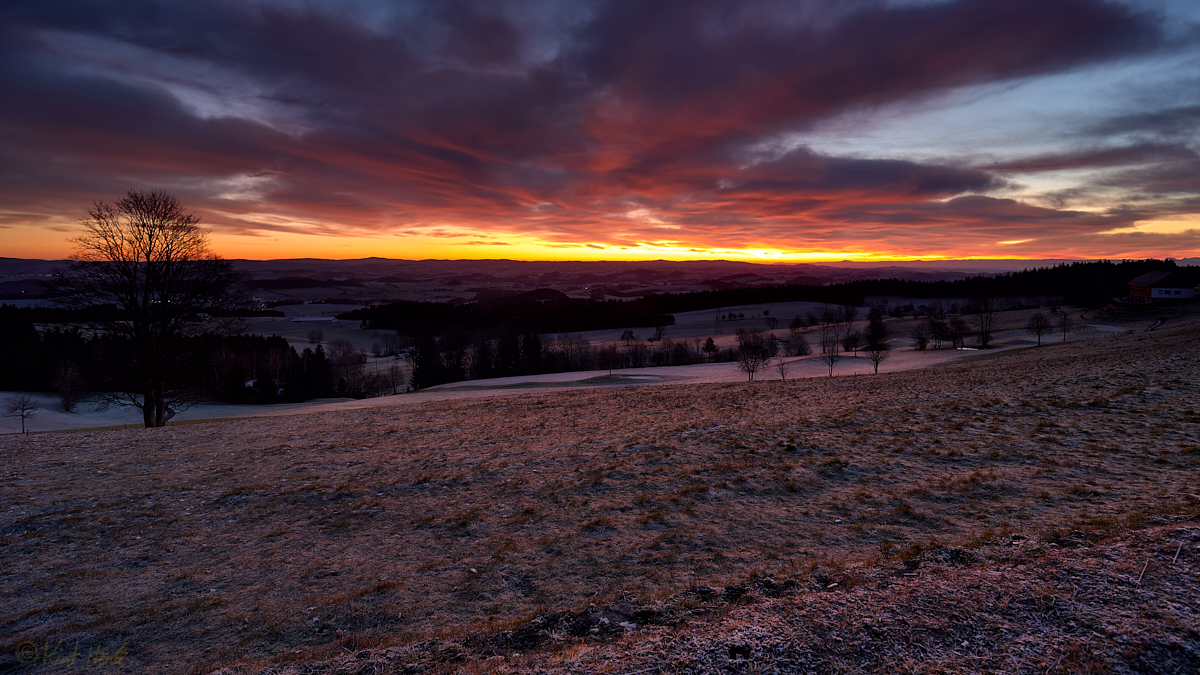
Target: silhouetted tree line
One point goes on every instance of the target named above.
(1087, 284)
(546, 311)
(538, 312)
(237, 369)
(31, 356)
(104, 313)
(459, 355)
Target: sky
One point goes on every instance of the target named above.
(771, 131)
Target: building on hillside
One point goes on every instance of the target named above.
(1160, 286)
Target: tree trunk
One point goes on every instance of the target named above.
(160, 412)
(154, 410)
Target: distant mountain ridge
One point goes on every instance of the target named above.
(375, 280)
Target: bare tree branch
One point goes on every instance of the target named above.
(145, 263)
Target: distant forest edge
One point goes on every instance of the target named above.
(529, 333)
(1087, 284)
(541, 311)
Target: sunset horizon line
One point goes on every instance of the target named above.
(866, 261)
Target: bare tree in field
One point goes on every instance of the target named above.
(147, 257)
(394, 376)
(70, 384)
(1039, 325)
(660, 330)
(796, 344)
(831, 347)
(877, 354)
(1066, 324)
(959, 330)
(784, 367)
(608, 358)
(851, 341)
(638, 354)
(939, 330)
(753, 352)
(877, 331)
(21, 405)
(920, 335)
(848, 313)
(985, 317)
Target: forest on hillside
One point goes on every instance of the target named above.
(523, 334)
(1087, 284)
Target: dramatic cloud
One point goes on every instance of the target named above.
(968, 128)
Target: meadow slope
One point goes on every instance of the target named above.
(442, 527)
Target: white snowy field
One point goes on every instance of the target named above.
(51, 417)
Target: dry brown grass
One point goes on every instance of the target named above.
(275, 539)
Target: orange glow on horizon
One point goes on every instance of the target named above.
(52, 242)
(33, 243)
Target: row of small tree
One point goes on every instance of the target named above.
(955, 330)
(459, 356)
(756, 349)
(1039, 324)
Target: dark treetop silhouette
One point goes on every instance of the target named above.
(146, 259)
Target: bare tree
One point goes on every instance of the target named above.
(638, 354)
(831, 347)
(70, 384)
(394, 376)
(660, 330)
(877, 354)
(848, 313)
(784, 367)
(985, 317)
(147, 257)
(1039, 325)
(797, 344)
(316, 336)
(576, 351)
(753, 352)
(828, 314)
(939, 330)
(21, 405)
(1066, 324)
(877, 331)
(920, 335)
(608, 358)
(851, 341)
(393, 344)
(628, 338)
(959, 331)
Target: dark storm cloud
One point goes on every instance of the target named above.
(376, 116)
(748, 68)
(837, 176)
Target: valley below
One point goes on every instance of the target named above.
(986, 515)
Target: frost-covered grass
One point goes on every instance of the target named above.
(297, 537)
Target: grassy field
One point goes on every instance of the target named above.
(303, 538)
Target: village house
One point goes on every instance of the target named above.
(1160, 286)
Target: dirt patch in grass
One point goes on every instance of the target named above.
(277, 540)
